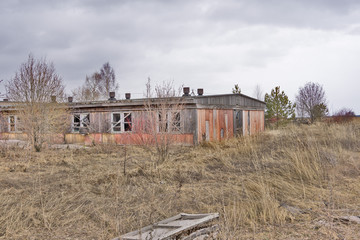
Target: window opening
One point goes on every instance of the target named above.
(172, 119)
(116, 124)
(127, 122)
(176, 122)
(121, 122)
(12, 123)
(81, 121)
(163, 121)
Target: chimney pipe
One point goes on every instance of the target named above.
(70, 99)
(186, 91)
(112, 96)
(53, 99)
(200, 91)
(127, 95)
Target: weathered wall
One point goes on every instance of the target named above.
(253, 122)
(100, 129)
(126, 138)
(13, 136)
(231, 100)
(214, 124)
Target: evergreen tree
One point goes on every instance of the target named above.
(278, 107)
(236, 89)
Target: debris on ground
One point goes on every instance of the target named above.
(182, 226)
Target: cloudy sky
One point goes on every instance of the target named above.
(210, 44)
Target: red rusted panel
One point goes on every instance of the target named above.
(127, 138)
(230, 129)
(201, 124)
(211, 130)
(219, 121)
(256, 121)
(245, 123)
(217, 124)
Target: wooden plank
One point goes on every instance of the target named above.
(211, 134)
(169, 228)
(207, 130)
(214, 124)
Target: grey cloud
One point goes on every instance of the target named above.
(309, 14)
(192, 42)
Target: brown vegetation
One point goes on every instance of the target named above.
(291, 183)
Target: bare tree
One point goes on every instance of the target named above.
(34, 89)
(148, 93)
(161, 120)
(35, 81)
(43, 122)
(98, 85)
(258, 93)
(107, 80)
(90, 91)
(311, 101)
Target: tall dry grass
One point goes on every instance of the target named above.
(275, 185)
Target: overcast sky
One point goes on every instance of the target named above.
(210, 44)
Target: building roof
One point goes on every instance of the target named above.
(240, 101)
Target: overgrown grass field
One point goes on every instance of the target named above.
(290, 183)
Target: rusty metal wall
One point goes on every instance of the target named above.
(253, 122)
(214, 124)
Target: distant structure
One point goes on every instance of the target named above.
(200, 118)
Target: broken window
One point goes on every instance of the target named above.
(12, 123)
(116, 125)
(121, 122)
(127, 122)
(163, 121)
(176, 122)
(167, 119)
(81, 121)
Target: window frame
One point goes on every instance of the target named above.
(172, 126)
(15, 123)
(122, 123)
(81, 122)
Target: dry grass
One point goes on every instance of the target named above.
(284, 184)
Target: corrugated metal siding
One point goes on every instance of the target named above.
(212, 124)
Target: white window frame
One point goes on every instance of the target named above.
(15, 123)
(123, 116)
(171, 126)
(82, 123)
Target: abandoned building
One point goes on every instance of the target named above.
(188, 119)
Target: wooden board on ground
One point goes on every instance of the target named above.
(171, 227)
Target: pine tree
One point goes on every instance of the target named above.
(278, 107)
